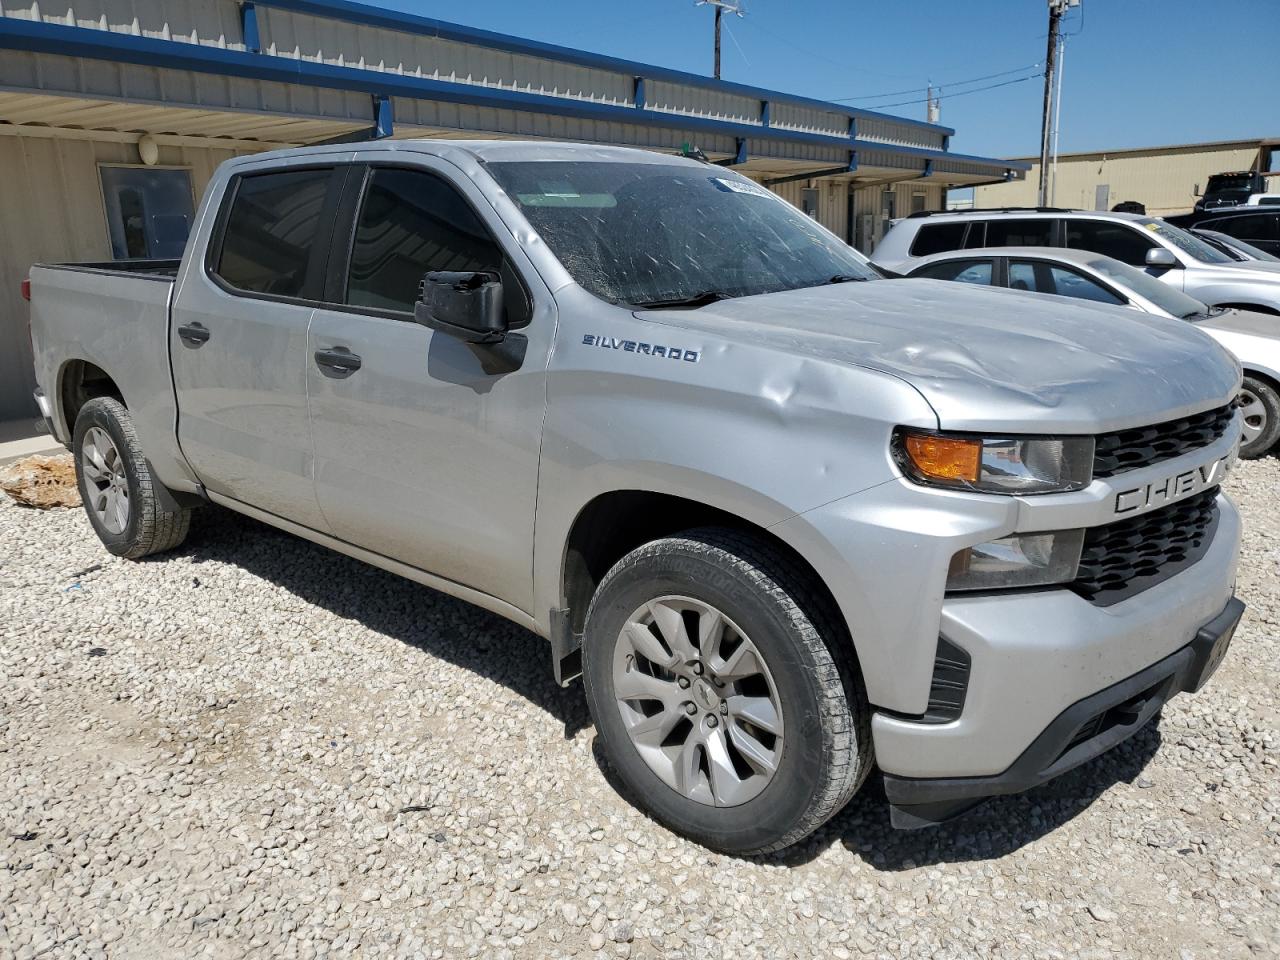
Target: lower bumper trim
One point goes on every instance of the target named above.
(1084, 730)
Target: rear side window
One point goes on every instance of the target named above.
(938, 238)
(1059, 281)
(1116, 240)
(271, 231)
(964, 271)
(410, 223)
(1019, 233)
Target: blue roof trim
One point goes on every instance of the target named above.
(412, 23)
(59, 39)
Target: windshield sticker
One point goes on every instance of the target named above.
(637, 346)
(740, 186)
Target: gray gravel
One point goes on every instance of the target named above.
(255, 747)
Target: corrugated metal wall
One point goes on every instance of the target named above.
(1163, 180)
(287, 34)
(53, 211)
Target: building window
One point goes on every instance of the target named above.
(149, 211)
(809, 202)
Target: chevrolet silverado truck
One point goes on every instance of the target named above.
(787, 520)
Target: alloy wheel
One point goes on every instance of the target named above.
(1253, 413)
(106, 484)
(698, 701)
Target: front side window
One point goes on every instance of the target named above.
(1260, 226)
(653, 233)
(1040, 277)
(271, 231)
(964, 271)
(1111, 239)
(1017, 232)
(412, 222)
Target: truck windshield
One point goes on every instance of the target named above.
(673, 235)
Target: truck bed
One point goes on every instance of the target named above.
(115, 316)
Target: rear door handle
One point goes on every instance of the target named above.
(194, 334)
(341, 361)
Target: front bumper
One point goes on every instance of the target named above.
(1084, 730)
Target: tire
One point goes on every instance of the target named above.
(110, 467)
(1260, 405)
(822, 752)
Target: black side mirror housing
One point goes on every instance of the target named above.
(464, 304)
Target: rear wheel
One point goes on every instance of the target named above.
(723, 692)
(1260, 410)
(119, 494)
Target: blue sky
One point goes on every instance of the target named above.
(1137, 72)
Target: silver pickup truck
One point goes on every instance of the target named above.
(786, 519)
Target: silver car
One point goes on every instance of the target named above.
(1180, 259)
(1253, 337)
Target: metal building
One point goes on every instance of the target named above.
(114, 113)
(1164, 179)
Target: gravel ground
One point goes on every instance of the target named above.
(255, 747)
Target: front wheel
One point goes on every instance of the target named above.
(1260, 413)
(723, 692)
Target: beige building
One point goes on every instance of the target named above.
(1164, 179)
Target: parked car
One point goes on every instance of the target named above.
(1253, 337)
(1263, 200)
(1259, 226)
(1237, 249)
(791, 519)
(1176, 256)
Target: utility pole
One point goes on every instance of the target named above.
(1056, 9)
(733, 6)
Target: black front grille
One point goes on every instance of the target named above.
(1142, 446)
(1122, 558)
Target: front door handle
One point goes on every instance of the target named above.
(337, 361)
(194, 334)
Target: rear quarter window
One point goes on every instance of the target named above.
(938, 238)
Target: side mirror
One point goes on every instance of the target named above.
(1161, 257)
(1195, 192)
(464, 304)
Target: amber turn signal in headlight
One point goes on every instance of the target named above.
(944, 458)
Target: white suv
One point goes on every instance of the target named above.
(1166, 251)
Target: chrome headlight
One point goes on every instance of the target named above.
(1022, 560)
(996, 464)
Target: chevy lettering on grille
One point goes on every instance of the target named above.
(1174, 488)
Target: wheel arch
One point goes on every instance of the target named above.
(615, 522)
(80, 381)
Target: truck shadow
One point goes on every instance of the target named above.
(492, 647)
(999, 827)
(386, 603)
(993, 830)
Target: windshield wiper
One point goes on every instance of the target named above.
(846, 278)
(699, 299)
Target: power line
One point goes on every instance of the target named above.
(942, 95)
(953, 83)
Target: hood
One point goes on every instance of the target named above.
(1244, 321)
(986, 358)
(1259, 269)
